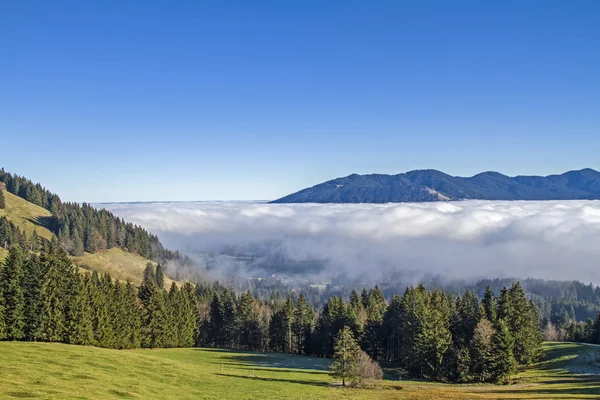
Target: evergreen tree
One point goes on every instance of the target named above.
(54, 295)
(2, 200)
(160, 277)
(33, 279)
(481, 350)
(523, 324)
(154, 314)
(11, 286)
(345, 356)
(302, 324)
(489, 305)
(133, 317)
(2, 320)
(434, 340)
(80, 328)
(501, 360)
(249, 324)
(215, 327)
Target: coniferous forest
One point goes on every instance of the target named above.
(78, 228)
(426, 333)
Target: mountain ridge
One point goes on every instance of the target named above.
(427, 185)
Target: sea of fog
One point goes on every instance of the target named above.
(463, 240)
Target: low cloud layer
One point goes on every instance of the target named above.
(469, 239)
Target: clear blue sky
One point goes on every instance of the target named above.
(194, 100)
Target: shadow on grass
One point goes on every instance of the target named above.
(279, 380)
(273, 360)
(579, 386)
(46, 222)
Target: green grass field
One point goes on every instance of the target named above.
(56, 371)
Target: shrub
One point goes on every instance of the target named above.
(365, 370)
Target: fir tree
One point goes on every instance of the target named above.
(215, 326)
(33, 279)
(345, 356)
(80, 319)
(154, 317)
(481, 350)
(501, 360)
(489, 305)
(11, 286)
(2, 200)
(132, 318)
(160, 277)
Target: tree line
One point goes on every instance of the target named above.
(427, 333)
(80, 228)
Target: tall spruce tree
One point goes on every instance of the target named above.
(80, 328)
(501, 360)
(2, 200)
(11, 286)
(33, 279)
(154, 314)
(489, 305)
(160, 277)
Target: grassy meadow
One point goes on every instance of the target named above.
(27, 216)
(118, 263)
(58, 371)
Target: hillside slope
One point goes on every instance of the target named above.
(78, 372)
(432, 185)
(27, 216)
(119, 263)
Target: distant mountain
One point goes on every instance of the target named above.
(432, 185)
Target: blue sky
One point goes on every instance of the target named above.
(176, 100)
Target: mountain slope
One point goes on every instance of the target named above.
(432, 185)
(27, 216)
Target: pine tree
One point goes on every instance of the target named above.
(302, 325)
(188, 316)
(489, 305)
(215, 326)
(33, 279)
(501, 360)
(248, 324)
(230, 321)
(2, 200)
(174, 317)
(80, 329)
(480, 350)
(434, 340)
(54, 295)
(11, 281)
(345, 356)
(2, 320)
(522, 322)
(154, 317)
(160, 277)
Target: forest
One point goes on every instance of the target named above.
(426, 333)
(79, 228)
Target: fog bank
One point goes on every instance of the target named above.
(468, 239)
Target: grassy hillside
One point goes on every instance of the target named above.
(42, 370)
(118, 263)
(27, 216)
